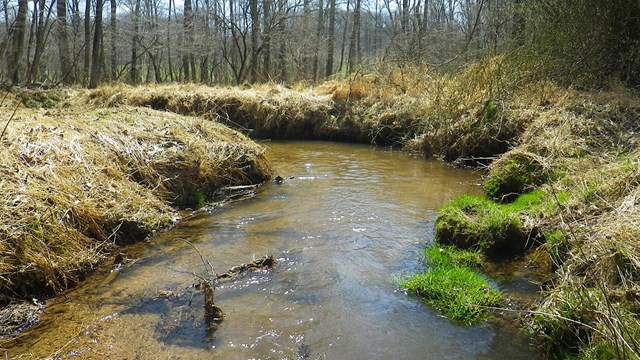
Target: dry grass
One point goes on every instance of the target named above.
(78, 180)
(453, 117)
(89, 177)
(586, 144)
(461, 118)
(266, 111)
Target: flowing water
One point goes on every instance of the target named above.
(343, 229)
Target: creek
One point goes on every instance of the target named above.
(345, 224)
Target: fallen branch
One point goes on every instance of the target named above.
(264, 263)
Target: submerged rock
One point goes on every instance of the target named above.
(18, 317)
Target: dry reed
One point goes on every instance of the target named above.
(77, 181)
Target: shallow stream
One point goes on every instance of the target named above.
(349, 222)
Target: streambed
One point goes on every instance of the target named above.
(348, 223)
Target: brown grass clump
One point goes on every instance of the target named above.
(76, 181)
(460, 118)
(267, 111)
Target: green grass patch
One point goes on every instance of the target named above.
(452, 287)
(450, 256)
(514, 176)
(525, 202)
(474, 222)
(478, 223)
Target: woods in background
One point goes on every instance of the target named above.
(234, 41)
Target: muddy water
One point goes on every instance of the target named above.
(351, 221)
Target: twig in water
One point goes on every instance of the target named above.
(541, 313)
(212, 313)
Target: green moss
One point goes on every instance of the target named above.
(476, 222)
(514, 176)
(554, 237)
(199, 198)
(563, 197)
(449, 286)
(489, 110)
(473, 222)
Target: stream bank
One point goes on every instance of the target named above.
(78, 182)
(578, 148)
(345, 223)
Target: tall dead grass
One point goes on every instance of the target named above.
(457, 117)
(586, 144)
(77, 181)
(461, 117)
(263, 111)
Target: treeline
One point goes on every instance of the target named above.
(233, 41)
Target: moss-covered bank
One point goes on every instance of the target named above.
(79, 180)
(580, 154)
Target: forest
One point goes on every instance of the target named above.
(230, 42)
(118, 116)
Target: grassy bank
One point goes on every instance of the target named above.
(79, 180)
(561, 188)
(457, 118)
(579, 156)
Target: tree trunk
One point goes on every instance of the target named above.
(354, 42)
(518, 23)
(5, 10)
(63, 43)
(96, 53)
(41, 23)
(133, 72)
(282, 52)
(320, 30)
(404, 19)
(188, 28)
(114, 32)
(344, 35)
(328, 71)
(17, 42)
(266, 42)
(424, 28)
(77, 46)
(169, 43)
(87, 39)
(255, 34)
